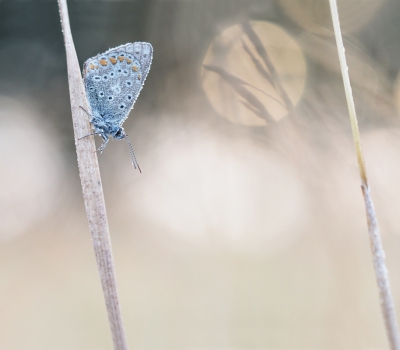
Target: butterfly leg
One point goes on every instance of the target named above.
(94, 133)
(104, 144)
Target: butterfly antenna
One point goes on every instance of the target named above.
(85, 111)
(134, 161)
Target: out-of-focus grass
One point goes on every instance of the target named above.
(204, 258)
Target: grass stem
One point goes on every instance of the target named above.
(378, 254)
(92, 189)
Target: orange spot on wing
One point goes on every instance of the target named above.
(103, 62)
(121, 58)
(113, 60)
(92, 66)
(139, 77)
(128, 61)
(135, 69)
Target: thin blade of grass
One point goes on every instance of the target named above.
(378, 254)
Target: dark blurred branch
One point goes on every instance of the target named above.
(235, 80)
(237, 84)
(91, 185)
(258, 65)
(253, 37)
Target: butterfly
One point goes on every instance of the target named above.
(113, 81)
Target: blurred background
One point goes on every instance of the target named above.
(246, 229)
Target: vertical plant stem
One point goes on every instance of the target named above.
(91, 185)
(378, 254)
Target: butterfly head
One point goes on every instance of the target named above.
(118, 133)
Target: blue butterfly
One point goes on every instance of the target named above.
(113, 81)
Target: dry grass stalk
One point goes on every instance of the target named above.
(378, 254)
(91, 185)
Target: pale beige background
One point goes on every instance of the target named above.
(234, 236)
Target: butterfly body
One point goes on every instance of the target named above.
(113, 81)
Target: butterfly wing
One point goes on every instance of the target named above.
(114, 79)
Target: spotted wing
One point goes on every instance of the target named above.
(114, 79)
